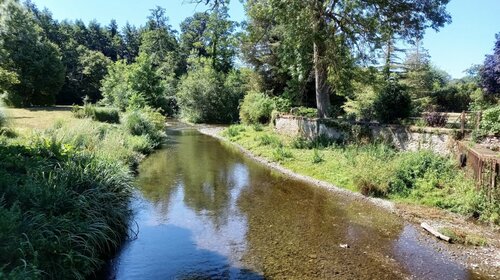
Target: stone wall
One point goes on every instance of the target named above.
(406, 138)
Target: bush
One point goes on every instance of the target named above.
(256, 107)
(436, 119)
(208, 96)
(304, 112)
(392, 103)
(109, 115)
(317, 157)
(233, 131)
(146, 122)
(490, 122)
(282, 154)
(101, 114)
(268, 139)
(414, 166)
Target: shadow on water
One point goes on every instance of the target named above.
(207, 212)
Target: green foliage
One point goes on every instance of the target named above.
(104, 114)
(392, 103)
(320, 142)
(490, 122)
(414, 166)
(281, 154)
(361, 105)
(115, 89)
(257, 127)
(211, 35)
(101, 114)
(22, 44)
(317, 157)
(79, 217)
(233, 131)
(7, 80)
(304, 112)
(256, 107)
(3, 117)
(208, 96)
(136, 85)
(146, 122)
(271, 140)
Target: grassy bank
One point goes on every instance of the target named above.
(66, 189)
(372, 169)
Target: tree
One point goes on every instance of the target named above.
(210, 35)
(206, 95)
(490, 72)
(93, 66)
(115, 85)
(131, 41)
(333, 27)
(35, 60)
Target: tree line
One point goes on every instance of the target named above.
(341, 57)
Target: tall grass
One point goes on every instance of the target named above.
(61, 211)
(64, 197)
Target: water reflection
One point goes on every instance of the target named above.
(206, 212)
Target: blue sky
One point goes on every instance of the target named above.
(454, 48)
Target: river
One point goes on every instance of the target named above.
(205, 211)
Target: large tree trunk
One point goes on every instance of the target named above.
(320, 74)
(320, 66)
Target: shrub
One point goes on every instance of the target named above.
(256, 107)
(436, 119)
(101, 114)
(268, 139)
(490, 122)
(282, 154)
(257, 127)
(304, 112)
(301, 143)
(205, 95)
(319, 142)
(317, 157)
(146, 122)
(392, 103)
(109, 115)
(233, 131)
(415, 166)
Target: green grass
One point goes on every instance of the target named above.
(372, 169)
(64, 207)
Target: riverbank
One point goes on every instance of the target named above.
(66, 185)
(484, 258)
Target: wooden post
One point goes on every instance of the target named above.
(462, 123)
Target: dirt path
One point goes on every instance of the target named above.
(486, 259)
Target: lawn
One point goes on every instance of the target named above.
(28, 119)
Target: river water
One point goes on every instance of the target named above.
(204, 211)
